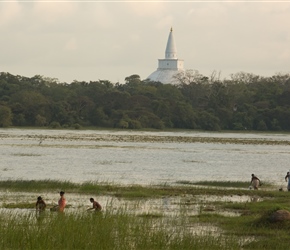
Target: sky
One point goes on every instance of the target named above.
(111, 40)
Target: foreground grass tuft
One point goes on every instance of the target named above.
(108, 230)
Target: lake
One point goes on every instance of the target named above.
(145, 158)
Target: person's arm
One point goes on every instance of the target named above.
(91, 208)
(57, 205)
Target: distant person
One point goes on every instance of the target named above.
(287, 178)
(40, 204)
(255, 182)
(61, 203)
(96, 205)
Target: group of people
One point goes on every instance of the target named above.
(255, 181)
(41, 205)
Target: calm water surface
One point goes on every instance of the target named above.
(76, 156)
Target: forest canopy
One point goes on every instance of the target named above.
(243, 102)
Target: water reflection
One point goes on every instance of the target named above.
(167, 206)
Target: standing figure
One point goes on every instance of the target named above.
(40, 204)
(61, 203)
(287, 178)
(255, 182)
(96, 205)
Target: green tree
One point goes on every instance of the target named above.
(32, 103)
(5, 116)
(183, 116)
(208, 121)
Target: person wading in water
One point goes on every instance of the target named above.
(255, 182)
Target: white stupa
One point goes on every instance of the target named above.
(169, 66)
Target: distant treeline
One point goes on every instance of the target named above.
(243, 102)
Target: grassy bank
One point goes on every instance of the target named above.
(123, 228)
(138, 191)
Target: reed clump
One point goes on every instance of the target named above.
(108, 230)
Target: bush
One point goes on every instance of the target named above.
(238, 126)
(77, 126)
(122, 124)
(54, 125)
(262, 126)
(134, 124)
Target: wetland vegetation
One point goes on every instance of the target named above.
(248, 226)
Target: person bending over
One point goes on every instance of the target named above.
(96, 205)
(40, 204)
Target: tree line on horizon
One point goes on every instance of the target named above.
(243, 102)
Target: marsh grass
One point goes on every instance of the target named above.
(118, 230)
(138, 191)
(267, 235)
(226, 184)
(267, 206)
(34, 185)
(130, 192)
(125, 228)
(254, 222)
(151, 215)
(19, 205)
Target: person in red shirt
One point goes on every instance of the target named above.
(61, 203)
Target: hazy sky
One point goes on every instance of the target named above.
(110, 40)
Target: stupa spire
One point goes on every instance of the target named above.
(170, 52)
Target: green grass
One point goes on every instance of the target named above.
(122, 228)
(138, 191)
(34, 185)
(226, 184)
(110, 230)
(19, 205)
